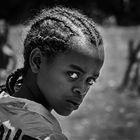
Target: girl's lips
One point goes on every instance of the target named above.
(75, 103)
(72, 105)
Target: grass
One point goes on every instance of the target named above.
(105, 114)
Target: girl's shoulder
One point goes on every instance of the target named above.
(30, 117)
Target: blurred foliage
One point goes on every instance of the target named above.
(126, 12)
(131, 78)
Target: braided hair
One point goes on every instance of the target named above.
(51, 32)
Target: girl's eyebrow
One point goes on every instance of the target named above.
(76, 67)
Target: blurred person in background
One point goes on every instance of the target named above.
(7, 56)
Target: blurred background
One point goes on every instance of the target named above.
(111, 111)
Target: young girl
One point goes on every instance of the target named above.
(63, 53)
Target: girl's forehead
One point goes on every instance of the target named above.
(85, 56)
(86, 48)
(79, 59)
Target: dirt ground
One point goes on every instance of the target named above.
(105, 114)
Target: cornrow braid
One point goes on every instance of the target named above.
(89, 26)
(70, 15)
(83, 26)
(12, 80)
(85, 23)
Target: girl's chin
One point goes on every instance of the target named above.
(64, 113)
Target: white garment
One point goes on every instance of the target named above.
(32, 118)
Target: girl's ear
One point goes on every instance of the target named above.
(35, 60)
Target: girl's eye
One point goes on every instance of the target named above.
(73, 75)
(90, 81)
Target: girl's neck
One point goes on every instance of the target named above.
(31, 91)
(25, 92)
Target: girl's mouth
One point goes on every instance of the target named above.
(74, 104)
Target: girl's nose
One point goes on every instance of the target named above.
(78, 91)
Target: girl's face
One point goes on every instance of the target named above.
(66, 81)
